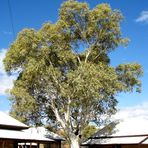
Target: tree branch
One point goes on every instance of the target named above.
(57, 115)
(87, 55)
(67, 113)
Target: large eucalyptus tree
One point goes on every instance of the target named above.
(64, 71)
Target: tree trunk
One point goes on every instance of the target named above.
(74, 142)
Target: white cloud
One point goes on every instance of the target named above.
(134, 111)
(6, 82)
(143, 17)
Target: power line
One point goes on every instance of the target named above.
(11, 18)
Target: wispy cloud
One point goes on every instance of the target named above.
(134, 111)
(6, 82)
(143, 17)
(7, 32)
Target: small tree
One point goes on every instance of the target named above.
(64, 71)
(88, 131)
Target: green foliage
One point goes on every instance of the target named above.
(88, 131)
(64, 71)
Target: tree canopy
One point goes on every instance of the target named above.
(64, 70)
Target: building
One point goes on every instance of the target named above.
(14, 134)
(126, 133)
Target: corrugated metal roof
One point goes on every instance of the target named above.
(6, 120)
(124, 131)
(114, 140)
(132, 126)
(44, 132)
(22, 135)
(40, 133)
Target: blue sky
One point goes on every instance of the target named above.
(33, 13)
